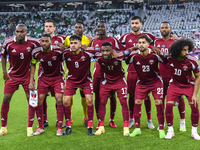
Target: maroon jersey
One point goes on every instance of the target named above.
(146, 67)
(164, 46)
(51, 62)
(181, 71)
(130, 40)
(96, 43)
(19, 55)
(78, 66)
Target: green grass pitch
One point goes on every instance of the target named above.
(113, 138)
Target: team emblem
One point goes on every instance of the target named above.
(185, 68)
(116, 63)
(163, 46)
(83, 58)
(56, 42)
(54, 57)
(151, 62)
(102, 64)
(28, 49)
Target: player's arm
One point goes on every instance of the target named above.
(195, 99)
(62, 47)
(5, 74)
(32, 73)
(121, 54)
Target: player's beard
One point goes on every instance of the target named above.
(143, 50)
(135, 29)
(185, 57)
(165, 35)
(108, 57)
(45, 49)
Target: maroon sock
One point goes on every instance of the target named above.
(194, 115)
(125, 113)
(131, 102)
(4, 114)
(137, 115)
(160, 116)
(31, 115)
(39, 112)
(67, 110)
(90, 113)
(163, 102)
(45, 108)
(169, 114)
(97, 103)
(113, 105)
(60, 115)
(147, 103)
(181, 108)
(102, 110)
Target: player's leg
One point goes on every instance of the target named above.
(46, 124)
(147, 103)
(181, 108)
(113, 105)
(84, 105)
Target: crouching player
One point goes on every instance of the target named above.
(181, 67)
(112, 80)
(50, 57)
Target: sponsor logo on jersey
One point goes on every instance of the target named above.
(54, 57)
(13, 50)
(185, 68)
(28, 49)
(158, 45)
(151, 62)
(130, 40)
(116, 63)
(56, 42)
(172, 64)
(97, 48)
(97, 45)
(163, 46)
(41, 60)
(83, 58)
(69, 59)
(138, 63)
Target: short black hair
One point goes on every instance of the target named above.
(46, 35)
(101, 21)
(107, 44)
(144, 37)
(165, 22)
(75, 37)
(176, 48)
(50, 20)
(136, 17)
(80, 22)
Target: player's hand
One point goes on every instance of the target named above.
(83, 47)
(195, 100)
(156, 50)
(89, 37)
(114, 54)
(6, 76)
(174, 37)
(62, 47)
(134, 48)
(31, 86)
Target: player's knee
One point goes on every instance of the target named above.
(7, 98)
(138, 101)
(67, 102)
(59, 101)
(89, 102)
(158, 102)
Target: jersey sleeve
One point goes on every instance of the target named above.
(118, 45)
(4, 49)
(92, 52)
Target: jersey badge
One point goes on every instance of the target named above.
(83, 58)
(69, 59)
(130, 40)
(163, 46)
(28, 49)
(102, 64)
(158, 45)
(54, 57)
(56, 42)
(172, 64)
(116, 63)
(97, 45)
(185, 68)
(41, 60)
(13, 50)
(138, 63)
(151, 62)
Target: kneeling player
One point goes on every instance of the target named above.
(50, 57)
(181, 67)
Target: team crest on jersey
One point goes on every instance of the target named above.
(54, 57)
(83, 58)
(151, 62)
(102, 64)
(116, 63)
(28, 49)
(163, 46)
(185, 68)
(56, 42)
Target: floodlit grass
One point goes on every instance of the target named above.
(78, 139)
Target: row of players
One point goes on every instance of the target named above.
(110, 63)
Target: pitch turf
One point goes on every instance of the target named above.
(78, 139)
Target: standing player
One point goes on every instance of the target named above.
(163, 44)
(183, 83)
(96, 43)
(79, 29)
(51, 77)
(50, 27)
(19, 48)
(78, 64)
(112, 79)
(146, 65)
(130, 40)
